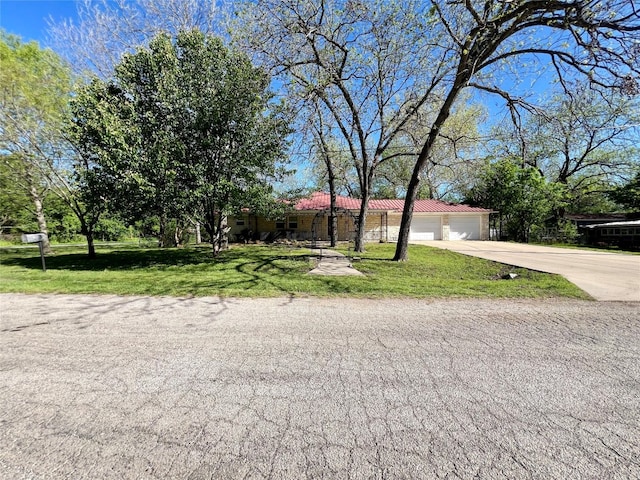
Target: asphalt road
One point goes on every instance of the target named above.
(605, 276)
(118, 388)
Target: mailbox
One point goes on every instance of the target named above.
(38, 238)
(33, 237)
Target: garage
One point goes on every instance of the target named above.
(426, 228)
(464, 228)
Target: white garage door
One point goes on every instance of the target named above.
(425, 228)
(464, 228)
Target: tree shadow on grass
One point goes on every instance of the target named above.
(240, 271)
(115, 260)
(149, 259)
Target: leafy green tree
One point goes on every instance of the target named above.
(628, 195)
(63, 224)
(98, 136)
(186, 128)
(35, 92)
(110, 229)
(16, 205)
(103, 31)
(34, 89)
(375, 64)
(583, 141)
(590, 199)
(483, 41)
(521, 196)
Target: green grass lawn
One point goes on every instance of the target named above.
(265, 271)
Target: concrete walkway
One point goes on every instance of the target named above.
(606, 276)
(333, 263)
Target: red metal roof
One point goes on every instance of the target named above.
(322, 201)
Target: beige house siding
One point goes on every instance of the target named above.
(484, 227)
(393, 226)
(379, 226)
(264, 226)
(446, 228)
(376, 227)
(346, 228)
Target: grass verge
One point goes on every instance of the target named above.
(264, 271)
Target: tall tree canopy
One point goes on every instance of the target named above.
(362, 67)
(581, 137)
(187, 126)
(584, 141)
(595, 39)
(105, 30)
(375, 64)
(520, 196)
(34, 91)
(628, 195)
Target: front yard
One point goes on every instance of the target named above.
(267, 271)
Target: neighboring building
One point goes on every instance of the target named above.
(624, 234)
(309, 220)
(582, 220)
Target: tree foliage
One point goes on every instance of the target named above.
(520, 196)
(16, 206)
(106, 30)
(628, 195)
(34, 89)
(583, 141)
(374, 65)
(361, 66)
(480, 41)
(185, 128)
(579, 139)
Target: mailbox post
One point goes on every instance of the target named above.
(38, 238)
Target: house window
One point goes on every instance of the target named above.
(240, 222)
(293, 223)
(280, 224)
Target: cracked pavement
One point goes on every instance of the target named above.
(132, 387)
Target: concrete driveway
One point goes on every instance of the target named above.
(603, 275)
(106, 387)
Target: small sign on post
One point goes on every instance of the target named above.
(38, 238)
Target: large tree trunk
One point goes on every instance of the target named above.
(177, 235)
(412, 190)
(163, 230)
(42, 221)
(219, 239)
(362, 219)
(333, 216)
(91, 249)
(87, 231)
(86, 228)
(366, 180)
(333, 222)
(407, 214)
(198, 234)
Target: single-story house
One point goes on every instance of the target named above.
(309, 220)
(582, 220)
(625, 234)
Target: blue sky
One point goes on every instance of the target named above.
(28, 18)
